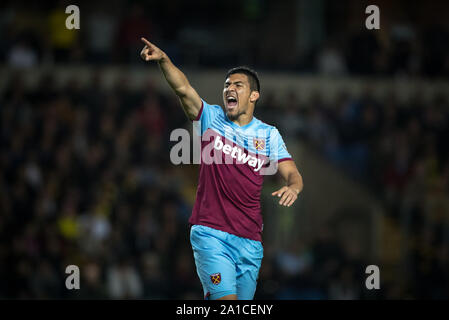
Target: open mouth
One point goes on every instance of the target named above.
(231, 102)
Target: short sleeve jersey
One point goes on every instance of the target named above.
(234, 161)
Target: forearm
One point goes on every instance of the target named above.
(175, 77)
(294, 181)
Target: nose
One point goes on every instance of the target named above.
(231, 88)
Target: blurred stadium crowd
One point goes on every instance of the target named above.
(87, 180)
(399, 151)
(191, 33)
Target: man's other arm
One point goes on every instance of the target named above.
(293, 179)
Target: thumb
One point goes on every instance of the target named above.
(278, 192)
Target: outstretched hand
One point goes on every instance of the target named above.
(150, 52)
(288, 196)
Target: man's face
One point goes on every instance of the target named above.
(237, 95)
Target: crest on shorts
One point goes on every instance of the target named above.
(259, 144)
(215, 278)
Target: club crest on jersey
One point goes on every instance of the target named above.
(259, 144)
(215, 278)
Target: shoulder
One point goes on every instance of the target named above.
(270, 129)
(208, 111)
(263, 125)
(211, 107)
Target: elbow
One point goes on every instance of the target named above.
(182, 91)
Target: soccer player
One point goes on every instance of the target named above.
(226, 220)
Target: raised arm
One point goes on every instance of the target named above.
(190, 100)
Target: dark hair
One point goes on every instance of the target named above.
(253, 79)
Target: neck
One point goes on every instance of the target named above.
(243, 119)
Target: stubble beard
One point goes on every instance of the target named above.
(234, 117)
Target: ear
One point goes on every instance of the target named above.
(254, 96)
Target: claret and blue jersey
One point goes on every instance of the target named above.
(233, 164)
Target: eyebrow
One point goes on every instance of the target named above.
(235, 82)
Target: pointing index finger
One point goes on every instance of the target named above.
(148, 43)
